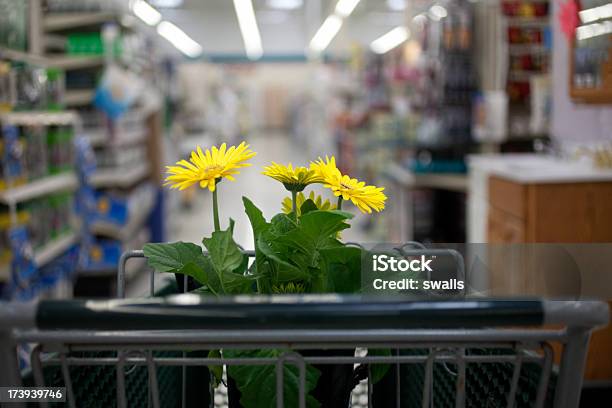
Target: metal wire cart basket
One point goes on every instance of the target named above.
(140, 353)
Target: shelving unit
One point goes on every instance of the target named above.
(120, 177)
(23, 193)
(44, 118)
(39, 188)
(526, 41)
(78, 98)
(57, 21)
(137, 220)
(52, 43)
(47, 253)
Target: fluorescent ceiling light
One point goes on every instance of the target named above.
(389, 41)
(166, 3)
(146, 13)
(593, 30)
(344, 8)
(248, 28)
(438, 12)
(285, 4)
(596, 13)
(326, 33)
(396, 5)
(179, 39)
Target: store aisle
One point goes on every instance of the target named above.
(192, 224)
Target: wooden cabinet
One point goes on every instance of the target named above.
(549, 213)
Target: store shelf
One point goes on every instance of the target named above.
(100, 137)
(68, 62)
(97, 137)
(521, 49)
(520, 75)
(452, 182)
(443, 181)
(54, 248)
(46, 253)
(124, 232)
(133, 269)
(129, 137)
(119, 177)
(39, 188)
(22, 56)
(78, 98)
(528, 21)
(43, 118)
(57, 21)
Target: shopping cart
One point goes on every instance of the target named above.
(475, 353)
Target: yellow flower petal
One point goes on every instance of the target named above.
(364, 197)
(207, 167)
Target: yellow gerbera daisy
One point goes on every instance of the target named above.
(287, 205)
(208, 168)
(364, 197)
(294, 179)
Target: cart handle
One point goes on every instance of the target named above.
(191, 311)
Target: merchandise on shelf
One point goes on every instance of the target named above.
(11, 149)
(529, 43)
(60, 147)
(22, 219)
(103, 254)
(77, 5)
(49, 218)
(126, 156)
(116, 206)
(29, 87)
(525, 8)
(7, 87)
(14, 24)
(32, 152)
(36, 160)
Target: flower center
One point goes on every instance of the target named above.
(214, 168)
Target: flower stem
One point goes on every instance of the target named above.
(339, 206)
(216, 211)
(294, 203)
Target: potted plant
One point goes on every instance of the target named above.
(297, 251)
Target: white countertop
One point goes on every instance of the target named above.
(537, 168)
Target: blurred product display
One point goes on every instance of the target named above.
(40, 168)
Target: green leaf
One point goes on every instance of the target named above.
(258, 222)
(308, 206)
(180, 257)
(259, 226)
(343, 268)
(284, 271)
(227, 259)
(321, 225)
(282, 224)
(171, 257)
(257, 384)
(216, 370)
(378, 371)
